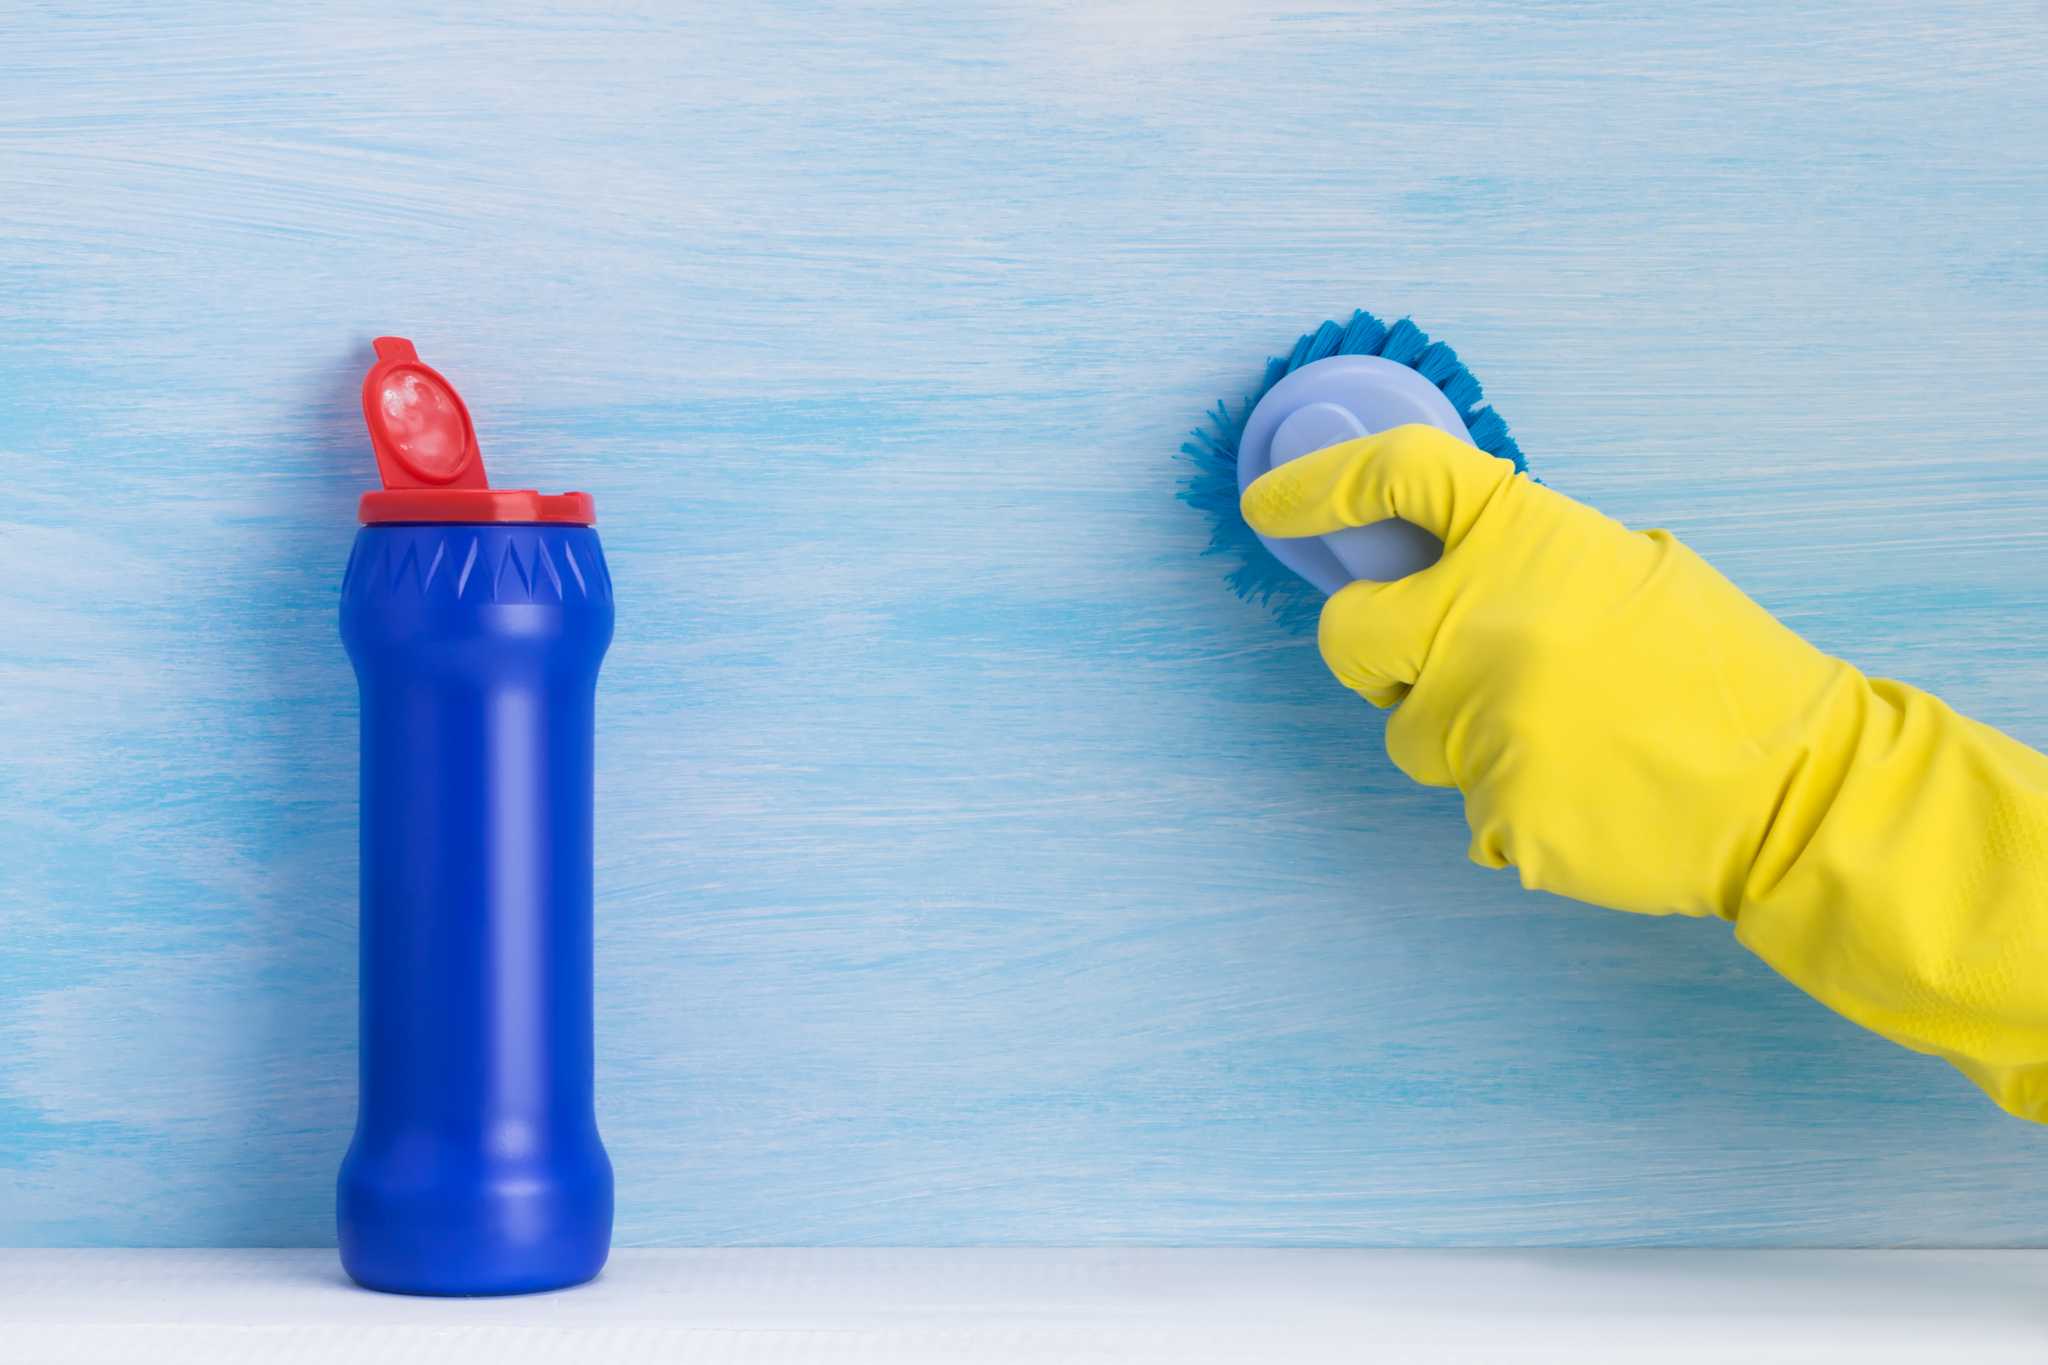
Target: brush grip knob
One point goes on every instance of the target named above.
(1378, 553)
(1327, 402)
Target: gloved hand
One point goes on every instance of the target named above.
(1629, 729)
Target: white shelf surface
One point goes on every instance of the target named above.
(1002, 1305)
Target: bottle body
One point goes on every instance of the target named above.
(476, 1166)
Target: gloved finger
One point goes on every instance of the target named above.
(1375, 636)
(1417, 473)
(1415, 742)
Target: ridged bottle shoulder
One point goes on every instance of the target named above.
(470, 565)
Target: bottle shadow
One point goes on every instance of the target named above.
(299, 824)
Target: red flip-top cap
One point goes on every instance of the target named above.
(428, 456)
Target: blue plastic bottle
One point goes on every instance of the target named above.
(476, 619)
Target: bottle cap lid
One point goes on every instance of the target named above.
(428, 457)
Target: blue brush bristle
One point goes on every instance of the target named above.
(1211, 488)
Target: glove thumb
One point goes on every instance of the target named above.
(1375, 636)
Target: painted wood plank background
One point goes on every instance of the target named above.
(972, 867)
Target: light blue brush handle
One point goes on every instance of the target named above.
(1326, 403)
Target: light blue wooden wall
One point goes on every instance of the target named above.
(972, 867)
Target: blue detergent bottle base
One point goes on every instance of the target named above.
(476, 619)
(492, 1229)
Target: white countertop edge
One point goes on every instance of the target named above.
(294, 1307)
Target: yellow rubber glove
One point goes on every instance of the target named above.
(1629, 729)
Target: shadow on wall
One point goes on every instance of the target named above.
(285, 998)
(300, 995)
(176, 1061)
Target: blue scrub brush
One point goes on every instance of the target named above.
(1339, 382)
